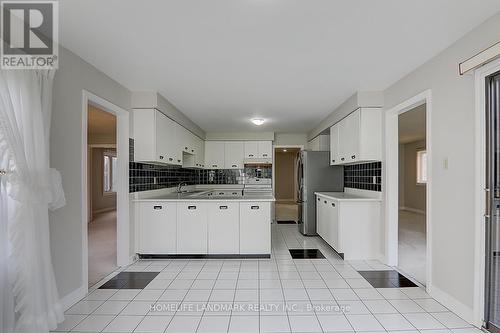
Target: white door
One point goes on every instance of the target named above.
(234, 152)
(214, 154)
(223, 228)
(157, 227)
(191, 228)
(334, 145)
(255, 228)
(350, 137)
(265, 149)
(251, 149)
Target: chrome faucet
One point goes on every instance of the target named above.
(179, 187)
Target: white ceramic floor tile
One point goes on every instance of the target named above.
(244, 324)
(271, 284)
(392, 293)
(148, 295)
(153, 324)
(137, 308)
(247, 284)
(274, 324)
(406, 305)
(93, 323)
(158, 284)
(70, 321)
(344, 294)
(380, 306)
(450, 320)
(423, 321)
(225, 284)
(358, 283)
(197, 295)
(431, 305)
(304, 324)
(125, 295)
(354, 307)
(394, 322)
(173, 295)
(222, 295)
(246, 295)
(84, 307)
(337, 284)
(123, 324)
(364, 323)
(295, 294)
(111, 308)
(334, 323)
(181, 284)
(213, 324)
(101, 294)
(415, 293)
(319, 295)
(183, 324)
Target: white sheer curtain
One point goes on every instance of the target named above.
(28, 190)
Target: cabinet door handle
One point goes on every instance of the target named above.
(170, 159)
(235, 192)
(325, 201)
(214, 165)
(191, 207)
(222, 207)
(342, 159)
(157, 207)
(192, 150)
(186, 148)
(250, 155)
(234, 165)
(353, 156)
(161, 157)
(333, 204)
(179, 161)
(319, 199)
(221, 193)
(254, 207)
(265, 155)
(333, 161)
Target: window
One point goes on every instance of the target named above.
(109, 172)
(421, 167)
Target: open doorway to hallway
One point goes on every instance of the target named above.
(412, 233)
(102, 187)
(286, 209)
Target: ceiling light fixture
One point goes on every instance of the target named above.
(257, 121)
(284, 150)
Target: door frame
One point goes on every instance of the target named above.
(480, 75)
(391, 183)
(122, 191)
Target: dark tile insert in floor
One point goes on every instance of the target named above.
(287, 222)
(130, 280)
(306, 254)
(386, 279)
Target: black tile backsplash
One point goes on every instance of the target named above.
(366, 176)
(145, 177)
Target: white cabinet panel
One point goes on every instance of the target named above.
(251, 149)
(265, 149)
(334, 145)
(357, 138)
(234, 154)
(255, 228)
(192, 228)
(157, 227)
(214, 154)
(223, 228)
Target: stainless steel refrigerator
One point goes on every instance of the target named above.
(314, 174)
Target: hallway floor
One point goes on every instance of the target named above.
(286, 211)
(102, 246)
(280, 294)
(412, 245)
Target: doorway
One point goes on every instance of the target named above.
(412, 183)
(285, 169)
(492, 216)
(102, 186)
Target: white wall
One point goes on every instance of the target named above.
(452, 135)
(290, 139)
(71, 78)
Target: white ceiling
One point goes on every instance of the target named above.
(411, 125)
(222, 62)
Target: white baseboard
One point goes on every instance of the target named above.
(462, 310)
(413, 210)
(73, 297)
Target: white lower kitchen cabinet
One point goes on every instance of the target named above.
(255, 228)
(192, 227)
(351, 227)
(223, 227)
(157, 227)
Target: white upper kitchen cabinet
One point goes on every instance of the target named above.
(234, 153)
(255, 228)
(265, 149)
(334, 144)
(157, 227)
(359, 137)
(258, 149)
(199, 154)
(223, 227)
(155, 137)
(214, 154)
(192, 227)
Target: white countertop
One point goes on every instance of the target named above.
(343, 196)
(199, 197)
